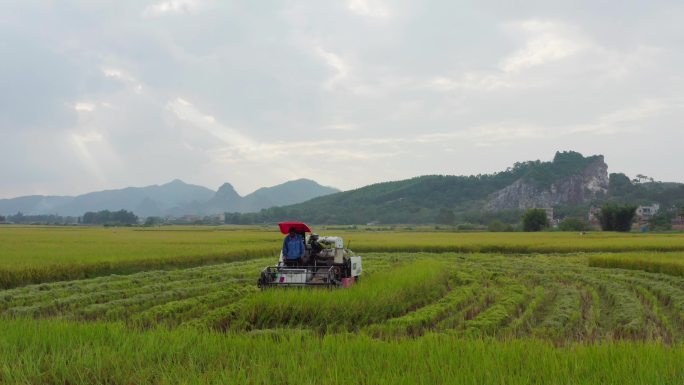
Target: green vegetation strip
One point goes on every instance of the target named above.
(50, 352)
(10, 278)
(666, 263)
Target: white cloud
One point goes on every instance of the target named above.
(341, 127)
(369, 8)
(117, 74)
(86, 145)
(84, 107)
(545, 42)
(486, 135)
(341, 68)
(124, 77)
(476, 80)
(186, 111)
(625, 120)
(171, 6)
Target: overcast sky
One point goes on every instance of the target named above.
(108, 94)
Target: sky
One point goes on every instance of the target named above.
(107, 94)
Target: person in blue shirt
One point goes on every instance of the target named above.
(293, 248)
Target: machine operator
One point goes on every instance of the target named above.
(293, 248)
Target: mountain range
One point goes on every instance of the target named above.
(175, 198)
(569, 184)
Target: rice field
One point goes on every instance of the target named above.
(523, 314)
(666, 263)
(559, 299)
(43, 254)
(57, 352)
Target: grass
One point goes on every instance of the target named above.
(58, 352)
(44, 254)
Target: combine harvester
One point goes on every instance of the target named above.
(326, 263)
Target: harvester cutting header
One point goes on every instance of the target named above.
(307, 259)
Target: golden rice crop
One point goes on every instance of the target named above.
(44, 254)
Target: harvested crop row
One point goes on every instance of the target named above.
(555, 298)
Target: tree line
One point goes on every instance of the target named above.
(50, 219)
(106, 217)
(612, 217)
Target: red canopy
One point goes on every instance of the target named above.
(300, 227)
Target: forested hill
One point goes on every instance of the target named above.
(571, 182)
(414, 200)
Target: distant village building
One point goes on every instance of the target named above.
(645, 213)
(594, 217)
(678, 223)
(549, 215)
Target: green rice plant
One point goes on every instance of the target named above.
(670, 296)
(626, 313)
(67, 304)
(663, 301)
(507, 305)
(591, 313)
(483, 297)
(383, 295)
(564, 318)
(542, 297)
(44, 352)
(505, 296)
(64, 298)
(661, 326)
(176, 312)
(44, 254)
(666, 263)
(223, 318)
(417, 323)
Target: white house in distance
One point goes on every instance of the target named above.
(549, 215)
(594, 217)
(645, 213)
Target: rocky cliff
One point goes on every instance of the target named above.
(575, 189)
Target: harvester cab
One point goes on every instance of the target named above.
(326, 262)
